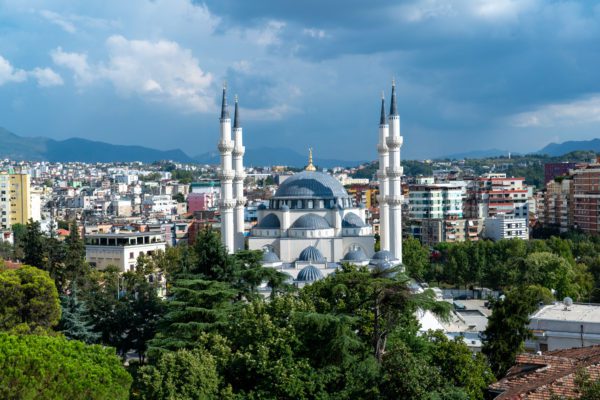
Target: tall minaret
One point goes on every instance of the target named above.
(394, 173)
(226, 174)
(238, 181)
(384, 191)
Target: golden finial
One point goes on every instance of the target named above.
(310, 166)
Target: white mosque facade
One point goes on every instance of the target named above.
(311, 224)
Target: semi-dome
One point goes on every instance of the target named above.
(356, 255)
(310, 273)
(311, 221)
(311, 254)
(310, 184)
(269, 257)
(383, 255)
(270, 221)
(352, 220)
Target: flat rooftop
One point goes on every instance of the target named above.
(575, 312)
(122, 234)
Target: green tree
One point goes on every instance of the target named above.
(76, 268)
(33, 245)
(508, 326)
(42, 367)
(415, 257)
(179, 197)
(28, 301)
(184, 374)
(75, 322)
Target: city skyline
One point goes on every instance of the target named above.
(470, 75)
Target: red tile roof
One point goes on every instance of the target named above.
(540, 377)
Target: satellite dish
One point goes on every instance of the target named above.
(568, 302)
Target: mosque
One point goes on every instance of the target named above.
(311, 224)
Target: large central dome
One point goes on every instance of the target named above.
(311, 185)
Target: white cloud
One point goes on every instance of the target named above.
(561, 114)
(76, 62)
(59, 20)
(46, 77)
(268, 35)
(315, 33)
(10, 74)
(155, 71)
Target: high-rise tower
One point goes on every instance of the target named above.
(226, 175)
(394, 173)
(238, 180)
(384, 210)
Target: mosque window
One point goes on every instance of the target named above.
(299, 203)
(310, 204)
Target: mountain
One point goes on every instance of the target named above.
(475, 154)
(44, 149)
(558, 149)
(265, 156)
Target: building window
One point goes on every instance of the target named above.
(131, 255)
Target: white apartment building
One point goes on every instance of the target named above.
(436, 201)
(121, 249)
(506, 226)
(159, 204)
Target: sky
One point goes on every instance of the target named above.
(470, 74)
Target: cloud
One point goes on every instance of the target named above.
(46, 77)
(10, 74)
(59, 20)
(77, 62)
(159, 71)
(582, 111)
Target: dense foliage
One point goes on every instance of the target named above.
(43, 367)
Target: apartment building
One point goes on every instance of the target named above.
(505, 226)
(15, 200)
(494, 194)
(556, 204)
(586, 198)
(121, 249)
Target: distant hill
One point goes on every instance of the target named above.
(558, 149)
(476, 154)
(45, 149)
(265, 156)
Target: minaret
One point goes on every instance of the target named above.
(384, 191)
(394, 173)
(238, 181)
(226, 175)
(310, 166)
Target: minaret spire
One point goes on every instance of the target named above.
(224, 108)
(310, 166)
(382, 118)
(393, 107)
(236, 116)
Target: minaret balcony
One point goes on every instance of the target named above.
(382, 148)
(226, 146)
(227, 175)
(240, 202)
(381, 175)
(394, 142)
(238, 151)
(240, 176)
(227, 203)
(395, 200)
(394, 171)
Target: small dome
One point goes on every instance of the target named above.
(310, 273)
(270, 221)
(352, 220)
(384, 255)
(355, 255)
(311, 221)
(284, 208)
(311, 254)
(269, 257)
(262, 206)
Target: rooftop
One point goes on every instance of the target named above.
(575, 312)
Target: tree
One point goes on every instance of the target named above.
(508, 326)
(415, 257)
(75, 322)
(184, 374)
(179, 197)
(33, 245)
(43, 367)
(28, 301)
(76, 268)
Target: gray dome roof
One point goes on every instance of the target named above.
(352, 220)
(311, 221)
(262, 206)
(312, 254)
(355, 255)
(311, 184)
(383, 255)
(270, 221)
(269, 257)
(310, 273)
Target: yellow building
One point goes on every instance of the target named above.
(15, 199)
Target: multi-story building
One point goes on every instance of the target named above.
(15, 200)
(433, 231)
(554, 170)
(586, 198)
(121, 249)
(557, 200)
(495, 194)
(436, 201)
(505, 226)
